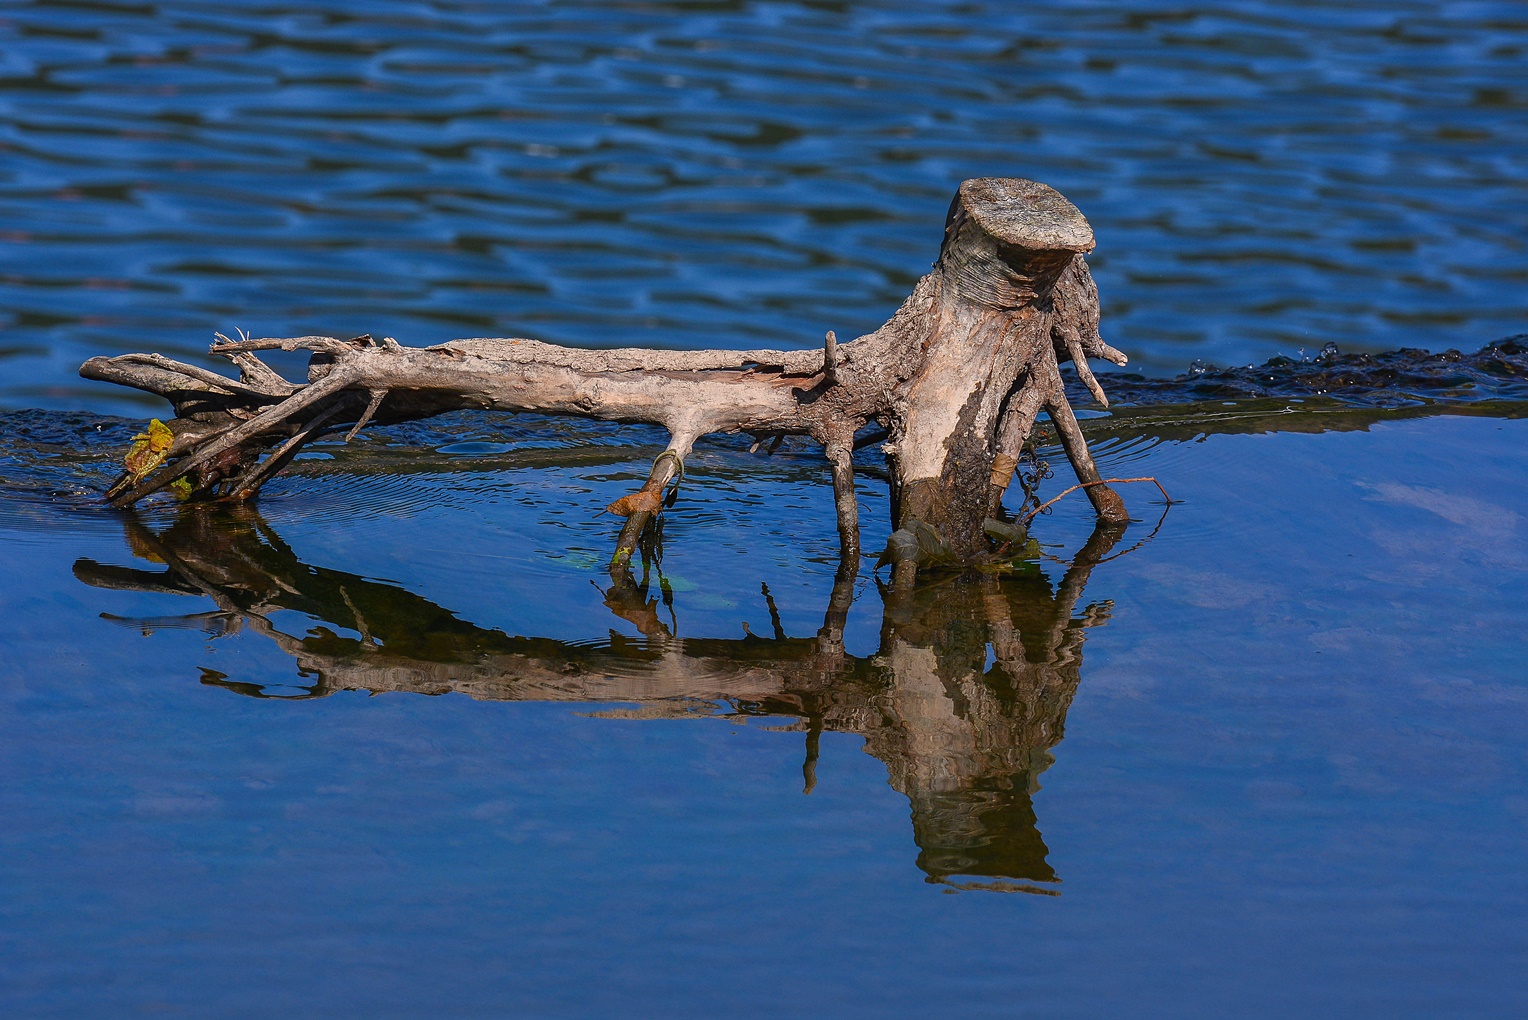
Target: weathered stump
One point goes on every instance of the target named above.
(956, 377)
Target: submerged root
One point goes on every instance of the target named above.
(641, 508)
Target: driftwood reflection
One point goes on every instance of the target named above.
(964, 734)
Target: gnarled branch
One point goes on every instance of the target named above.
(956, 378)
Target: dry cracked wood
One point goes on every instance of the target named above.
(956, 377)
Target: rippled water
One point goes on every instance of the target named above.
(393, 743)
(1263, 178)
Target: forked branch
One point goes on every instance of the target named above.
(956, 379)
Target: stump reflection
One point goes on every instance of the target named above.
(963, 740)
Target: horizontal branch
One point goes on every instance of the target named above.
(719, 390)
(955, 377)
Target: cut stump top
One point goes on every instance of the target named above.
(1025, 214)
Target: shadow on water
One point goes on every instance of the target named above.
(964, 735)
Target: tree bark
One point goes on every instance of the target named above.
(956, 377)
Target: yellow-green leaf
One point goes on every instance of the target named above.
(149, 450)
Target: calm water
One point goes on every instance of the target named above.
(392, 745)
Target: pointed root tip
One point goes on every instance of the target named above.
(1110, 354)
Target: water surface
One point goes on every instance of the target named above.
(1263, 177)
(321, 757)
(393, 744)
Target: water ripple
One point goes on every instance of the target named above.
(1262, 178)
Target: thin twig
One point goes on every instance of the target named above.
(324, 344)
(217, 383)
(1125, 552)
(1083, 485)
(1084, 372)
(332, 383)
(377, 397)
(258, 474)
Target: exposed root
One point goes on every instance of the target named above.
(1080, 361)
(840, 451)
(642, 507)
(1013, 433)
(248, 484)
(216, 446)
(956, 378)
(1106, 501)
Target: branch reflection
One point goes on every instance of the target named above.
(964, 734)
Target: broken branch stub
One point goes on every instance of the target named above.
(956, 377)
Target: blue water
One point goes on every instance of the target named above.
(1262, 177)
(392, 744)
(1291, 779)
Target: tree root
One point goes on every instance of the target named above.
(956, 379)
(643, 506)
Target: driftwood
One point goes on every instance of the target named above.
(955, 379)
(964, 736)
